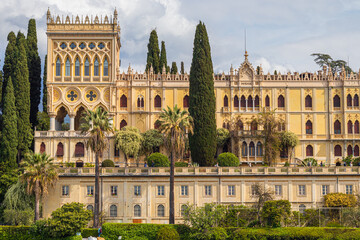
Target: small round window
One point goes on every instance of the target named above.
(63, 45)
(101, 45)
(72, 45)
(82, 45)
(92, 45)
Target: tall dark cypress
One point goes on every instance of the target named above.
(163, 60)
(153, 53)
(9, 61)
(182, 70)
(9, 139)
(34, 66)
(1, 83)
(22, 93)
(44, 96)
(174, 69)
(202, 100)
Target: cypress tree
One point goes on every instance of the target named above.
(9, 136)
(1, 83)
(163, 60)
(44, 96)
(182, 71)
(22, 93)
(9, 61)
(153, 53)
(34, 66)
(202, 100)
(174, 69)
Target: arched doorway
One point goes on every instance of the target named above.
(62, 122)
(78, 117)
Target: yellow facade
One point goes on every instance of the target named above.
(83, 55)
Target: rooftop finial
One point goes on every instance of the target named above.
(48, 15)
(115, 16)
(246, 54)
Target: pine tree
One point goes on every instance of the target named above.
(44, 96)
(9, 136)
(34, 66)
(9, 62)
(174, 69)
(22, 93)
(182, 71)
(202, 100)
(163, 60)
(153, 53)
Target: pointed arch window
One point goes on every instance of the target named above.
(356, 151)
(308, 101)
(356, 127)
(349, 100)
(267, 101)
(123, 124)
(106, 68)
(251, 149)
(226, 101)
(349, 150)
(350, 127)
(42, 148)
(77, 67)
(337, 151)
(236, 102)
(157, 101)
(79, 150)
(186, 101)
(60, 150)
(309, 151)
(243, 101)
(67, 67)
(123, 101)
(337, 127)
(257, 101)
(244, 149)
(87, 67)
(336, 100)
(356, 100)
(58, 67)
(140, 102)
(250, 102)
(281, 101)
(309, 127)
(96, 67)
(259, 149)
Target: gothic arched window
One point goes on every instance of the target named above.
(243, 101)
(259, 149)
(186, 101)
(356, 127)
(58, 67)
(42, 148)
(257, 101)
(123, 101)
(309, 151)
(123, 123)
(267, 101)
(157, 101)
(337, 151)
(356, 100)
(349, 150)
(336, 101)
(244, 149)
(60, 150)
(77, 67)
(79, 149)
(86, 68)
(356, 151)
(309, 127)
(251, 149)
(140, 101)
(281, 101)
(337, 127)
(350, 127)
(250, 102)
(96, 67)
(349, 100)
(308, 101)
(226, 101)
(106, 68)
(236, 101)
(67, 67)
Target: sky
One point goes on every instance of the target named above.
(280, 34)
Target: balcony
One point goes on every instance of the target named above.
(41, 134)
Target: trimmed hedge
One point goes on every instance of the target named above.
(89, 232)
(158, 160)
(107, 163)
(24, 233)
(228, 160)
(167, 233)
(181, 164)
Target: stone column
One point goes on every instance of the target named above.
(72, 122)
(52, 122)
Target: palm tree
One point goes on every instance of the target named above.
(39, 173)
(96, 125)
(174, 124)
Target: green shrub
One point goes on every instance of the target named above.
(181, 164)
(89, 164)
(138, 238)
(70, 164)
(276, 212)
(18, 217)
(158, 160)
(89, 232)
(167, 233)
(15, 232)
(107, 163)
(228, 160)
(348, 160)
(215, 233)
(333, 224)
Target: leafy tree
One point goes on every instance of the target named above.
(222, 137)
(44, 97)
(322, 60)
(182, 69)
(228, 160)
(167, 233)
(34, 65)
(9, 139)
(339, 200)
(153, 53)
(7, 179)
(261, 195)
(9, 62)
(289, 140)
(43, 120)
(22, 100)
(202, 100)
(96, 124)
(351, 217)
(129, 140)
(276, 212)
(270, 135)
(39, 174)
(174, 124)
(163, 60)
(174, 69)
(151, 139)
(158, 160)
